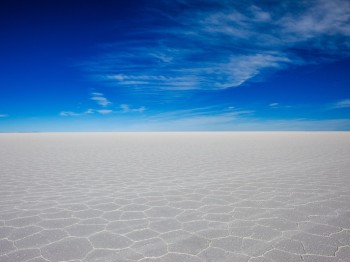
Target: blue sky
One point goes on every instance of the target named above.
(174, 65)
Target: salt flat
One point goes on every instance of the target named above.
(175, 197)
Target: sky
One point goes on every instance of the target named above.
(174, 65)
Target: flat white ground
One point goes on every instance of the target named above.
(175, 197)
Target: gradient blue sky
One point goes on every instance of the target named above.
(174, 65)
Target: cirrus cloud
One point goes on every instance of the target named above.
(345, 103)
(100, 99)
(217, 45)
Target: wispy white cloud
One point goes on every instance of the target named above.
(103, 101)
(227, 122)
(198, 118)
(89, 111)
(224, 46)
(242, 68)
(222, 118)
(104, 111)
(274, 105)
(322, 19)
(292, 125)
(126, 108)
(100, 99)
(71, 113)
(342, 104)
(202, 121)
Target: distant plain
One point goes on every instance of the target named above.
(220, 196)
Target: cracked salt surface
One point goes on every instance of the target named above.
(175, 197)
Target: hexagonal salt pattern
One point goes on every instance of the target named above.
(175, 197)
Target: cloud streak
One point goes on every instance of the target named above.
(103, 102)
(86, 112)
(126, 109)
(100, 99)
(104, 111)
(200, 117)
(218, 118)
(71, 113)
(342, 104)
(217, 45)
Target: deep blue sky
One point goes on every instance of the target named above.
(83, 65)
